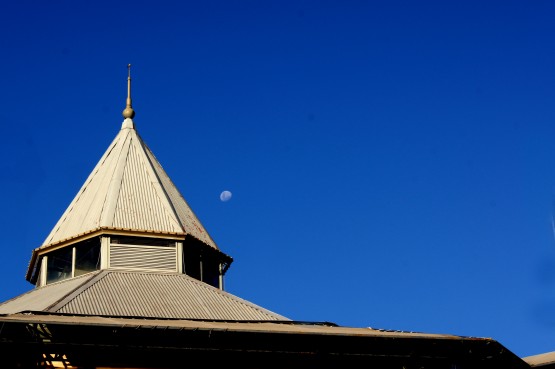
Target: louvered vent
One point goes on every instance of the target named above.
(155, 258)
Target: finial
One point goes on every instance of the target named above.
(128, 112)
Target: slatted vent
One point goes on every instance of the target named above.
(147, 258)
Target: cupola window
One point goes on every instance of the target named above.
(72, 261)
(59, 265)
(87, 257)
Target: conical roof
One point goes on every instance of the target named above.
(128, 190)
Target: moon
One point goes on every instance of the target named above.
(225, 196)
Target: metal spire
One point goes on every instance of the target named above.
(128, 112)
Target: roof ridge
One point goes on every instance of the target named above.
(186, 216)
(43, 287)
(108, 209)
(95, 277)
(148, 153)
(151, 168)
(80, 193)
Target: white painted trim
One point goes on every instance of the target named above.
(104, 252)
(42, 273)
(73, 252)
(220, 277)
(179, 258)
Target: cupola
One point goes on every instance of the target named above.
(128, 216)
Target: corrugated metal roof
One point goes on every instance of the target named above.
(185, 215)
(41, 298)
(269, 326)
(138, 294)
(128, 189)
(545, 360)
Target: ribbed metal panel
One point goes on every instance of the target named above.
(189, 221)
(138, 294)
(159, 295)
(141, 202)
(84, 212)
(39, 299)
(304, 327)
(143, 257)
(128, 189)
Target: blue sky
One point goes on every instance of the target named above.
(391, 163)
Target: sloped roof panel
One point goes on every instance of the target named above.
(138, 294)
(84, 212)
(545, 360)
(128, 189)
(141, 202)
(41, 298)
(187, 217)
(163, 296)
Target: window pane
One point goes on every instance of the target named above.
(59, 265)
(87, 256)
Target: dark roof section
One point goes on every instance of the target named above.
(153, 343)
